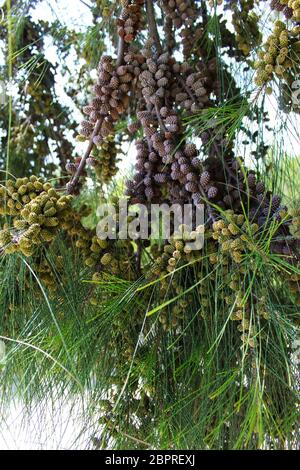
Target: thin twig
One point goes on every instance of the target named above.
(186, 88)
(86, 4)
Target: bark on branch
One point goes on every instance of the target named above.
(153, 26)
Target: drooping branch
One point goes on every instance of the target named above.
(74, 181)
(153, 26)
